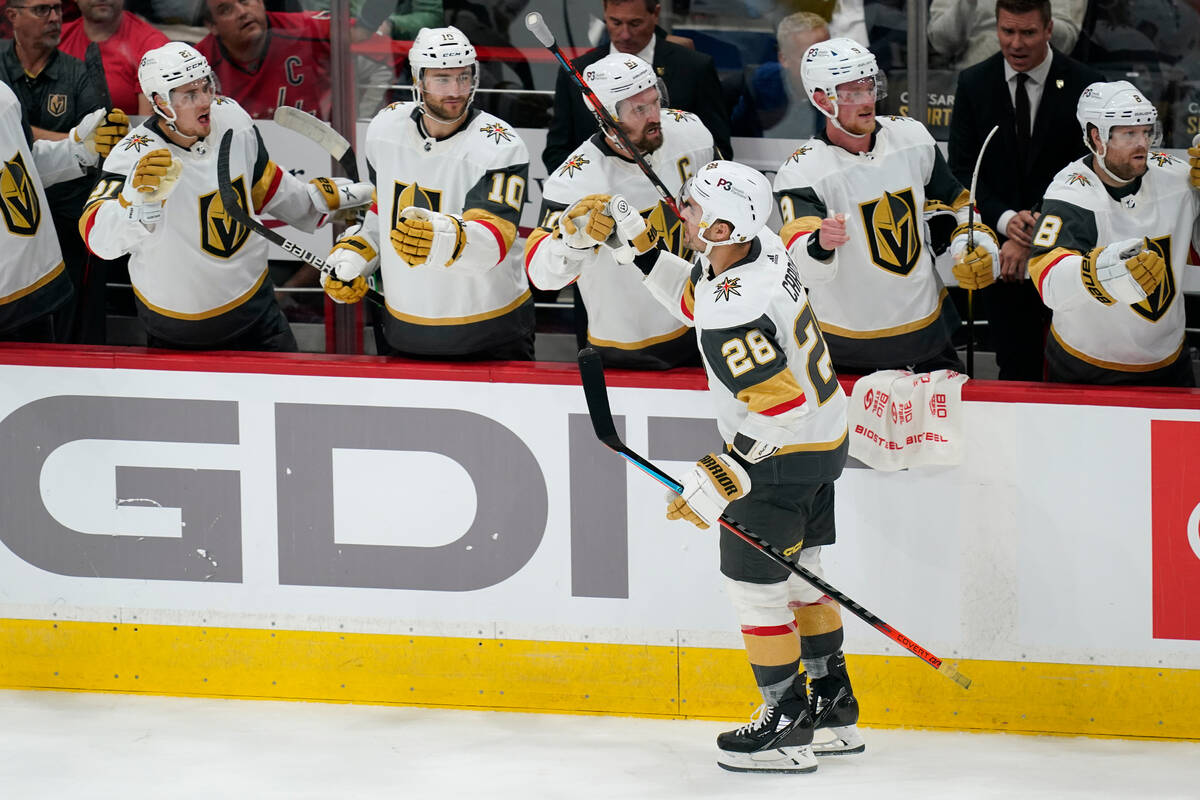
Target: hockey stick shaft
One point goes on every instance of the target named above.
(537, 26)
(971, 246)
(591, 371)
(233, 207)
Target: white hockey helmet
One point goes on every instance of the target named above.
(618, 77)
(833, 62)
(442, 48)
(1107, 105)
(730, 192)
(168, 67)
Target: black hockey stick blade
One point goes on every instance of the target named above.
(591, 372)
(233, 207)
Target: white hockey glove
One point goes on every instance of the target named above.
(423, 236)
(711, 485)
(635, 236)
(97, 134)
(340, 198)
(352, 259)
(980, 266)
(147, 187)
(586, 224)
(1122, 272)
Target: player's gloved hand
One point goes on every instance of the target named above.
(1122, 272)
(1194, 162)
(97, 133)
(715, 482)
(634, 236)
(340, 198)
(352, 259)
(422, 236)
(585, 224)
(148, 185)
(979, 266)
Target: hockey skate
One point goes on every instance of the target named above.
(777, 739)
(835, 712)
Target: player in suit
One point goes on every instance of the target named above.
(1019, 164)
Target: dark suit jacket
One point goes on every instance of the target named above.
(981, 101)
(692, 85)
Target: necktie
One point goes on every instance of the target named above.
(1022, 112)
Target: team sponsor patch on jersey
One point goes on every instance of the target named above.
(573, 165)
(137, 142)
(799, 151)
(727, 288)
(1079, 178)
(497, 132)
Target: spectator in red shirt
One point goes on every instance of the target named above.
(122, 38)
(268, 59)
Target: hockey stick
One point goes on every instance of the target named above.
(591, 370)
(323, 134)
(233, 208)
(971, 246)
(537, 26)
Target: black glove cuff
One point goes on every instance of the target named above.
(815, 250)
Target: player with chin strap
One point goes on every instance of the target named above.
(450, 182)
(852, 199)
(34, 281)
(782, 414)
(1111, 248)
(624, 323)
(200, 280)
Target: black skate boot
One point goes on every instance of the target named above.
(777, 739)
(835, 710)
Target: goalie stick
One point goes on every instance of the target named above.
(537, 26)
(971, 246)
(591, 371)
(233, 207)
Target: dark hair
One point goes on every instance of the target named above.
(650, 4)
(1024, 7)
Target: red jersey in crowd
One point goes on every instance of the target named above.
(293, 71)
(120, 54)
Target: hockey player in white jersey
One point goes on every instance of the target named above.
(623, 322)
(450, 182)
(199, 278)
(1111, 248)
(851, 199)
(33, 281)
(782, 414)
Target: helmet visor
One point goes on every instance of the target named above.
(195, 94)
(863, 91)
(1125, 137)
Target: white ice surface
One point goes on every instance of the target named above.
(74, 745)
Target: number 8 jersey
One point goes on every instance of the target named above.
(768, 367)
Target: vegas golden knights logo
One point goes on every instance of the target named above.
(220, 234)
(663, 220)
(56, 104)
(412, 194)
(892, 234)
(18, 198)
(1156, 304)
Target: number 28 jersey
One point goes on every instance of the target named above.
(768, 367)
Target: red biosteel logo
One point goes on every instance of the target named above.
(1175, 478)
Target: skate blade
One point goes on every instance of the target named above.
(846, 741)
(779, 759)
